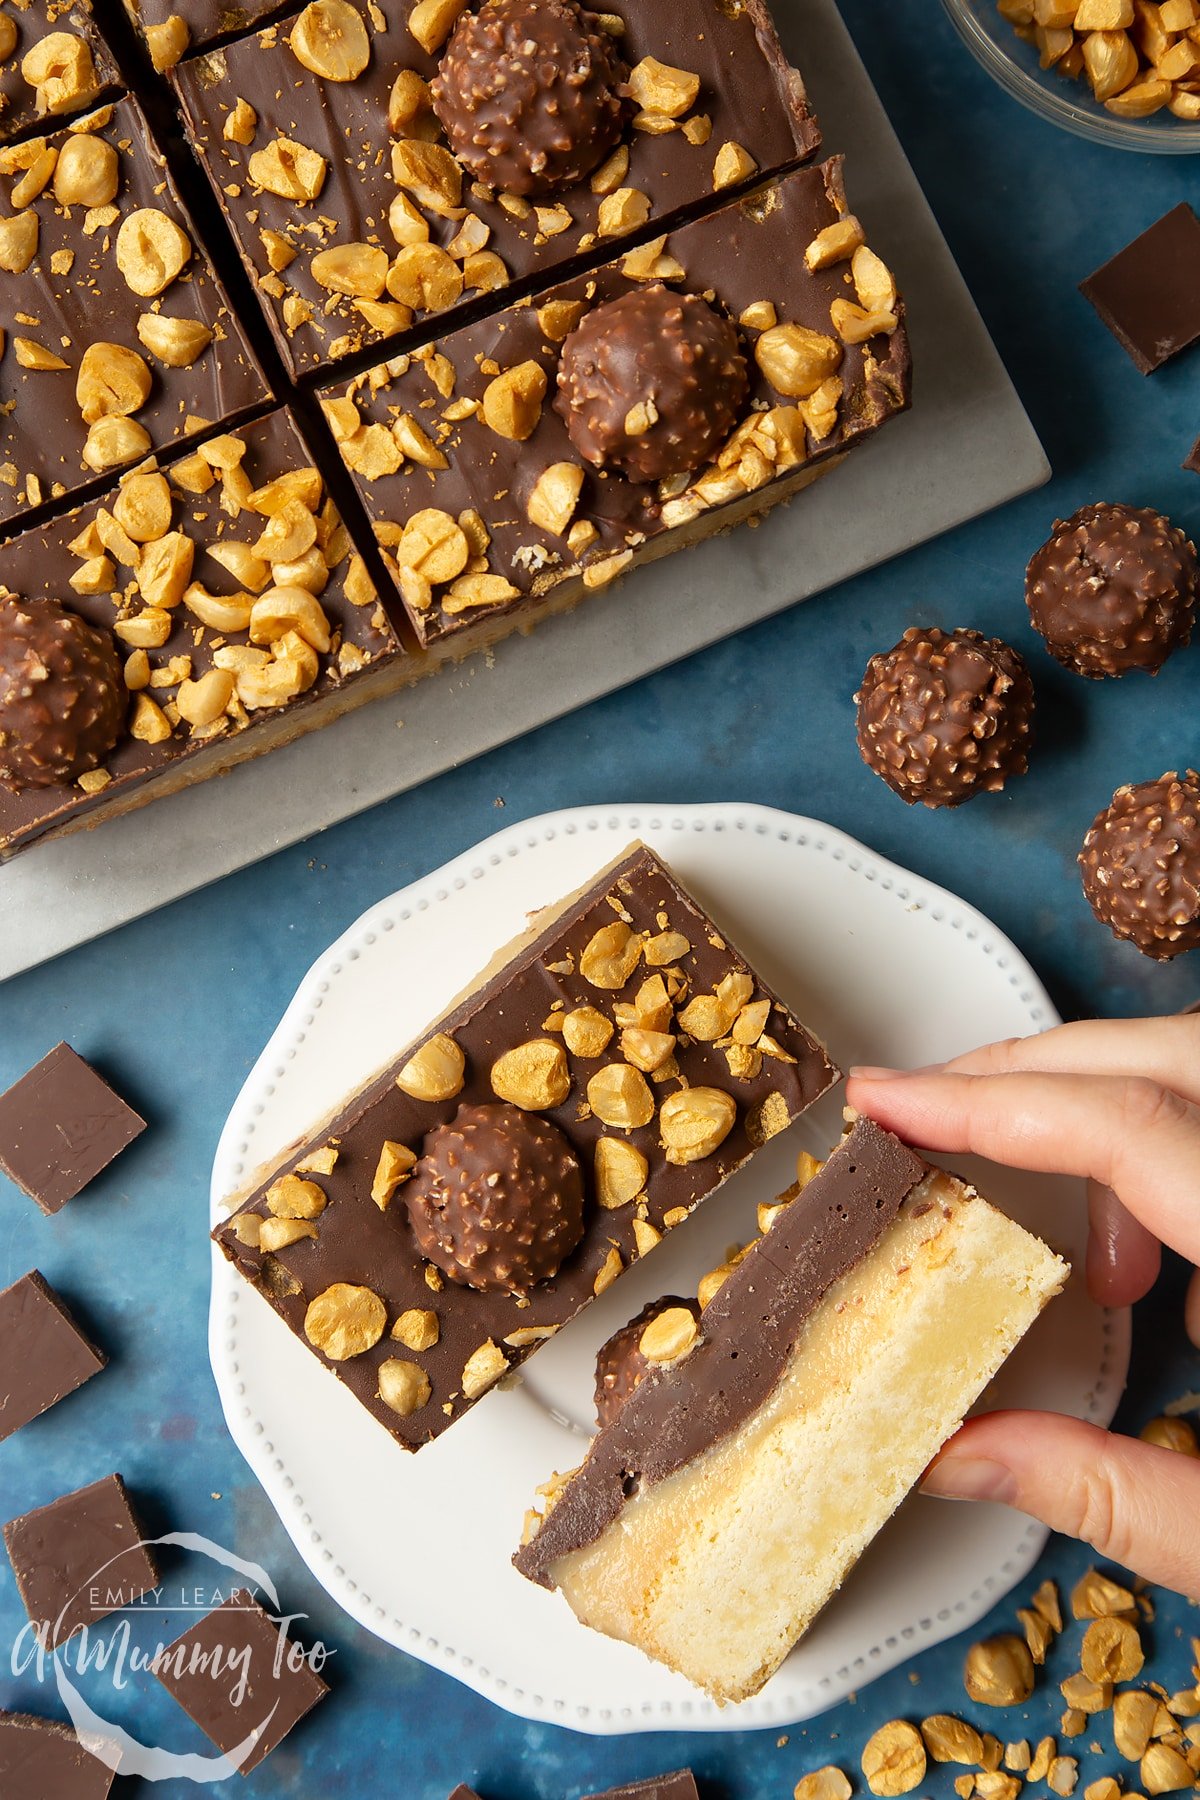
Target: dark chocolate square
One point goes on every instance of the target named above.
(1149, 294)
(43, 1760)
(79, 1559)
(60, 1126)
(281, 1686)
(43, 1354)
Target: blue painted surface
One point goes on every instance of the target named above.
(176, 1008)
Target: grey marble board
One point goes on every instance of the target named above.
(966, 447)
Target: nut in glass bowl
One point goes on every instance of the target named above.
(1052, 78)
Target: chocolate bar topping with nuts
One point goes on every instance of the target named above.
(632, 1051)
(223, 591)
(124, 341)
(384, 170)
(706, 376)
(53, 62)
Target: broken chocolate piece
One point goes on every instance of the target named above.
(79, 1559)
(245, 1719)
(43, 1760)
(62, 697)
(60, 1126)
(1141, 865)
(626, 1021)
(43, 1354)
(1149, 294)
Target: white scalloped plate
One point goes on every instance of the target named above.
(887, 969)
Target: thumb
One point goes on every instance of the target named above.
(1135, 1503)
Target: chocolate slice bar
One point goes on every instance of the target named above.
(1149, 293)
(601, 1077)
(79, 1559)
(53, 62)
(60, 1126)
(43, 1354)
(500, 492)
(725, 1503)
(121, 338)
(173, 27)
(43, 1760)
(246, 1718)
(239, 609)
(356, 220)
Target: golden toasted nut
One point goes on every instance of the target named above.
(694, 1122)
(111, 379)
(175, 342)
(152, 250)
(435, 1071)
(330, 39)
(403, 1386)
(533, 1076)
(87, 172)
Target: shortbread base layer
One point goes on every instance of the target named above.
(718, 1570)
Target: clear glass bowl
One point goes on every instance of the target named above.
(1014, 64)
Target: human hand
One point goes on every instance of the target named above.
(1119, 1103)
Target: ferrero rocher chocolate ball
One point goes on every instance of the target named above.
(1141, 865)
(1114, 589)
(652, 383)
(527, 94)
(62, 695)
(496, 1201)
(943, 716)
(620, 1364)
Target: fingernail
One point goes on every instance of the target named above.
(970, 1478)
(866, 1073)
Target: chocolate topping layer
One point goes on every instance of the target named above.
(496, 1201)
(652, 383)
(360, 1244)
(63, 700)
(1141, 865)
(527, 94)
(943, 716)
(748, 1333)
(620, 1365)
(1113, 589)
